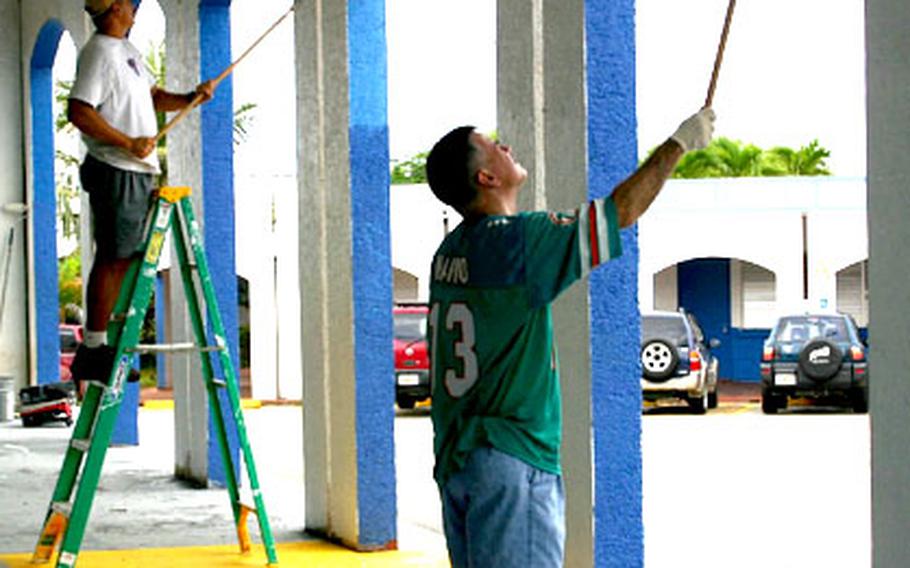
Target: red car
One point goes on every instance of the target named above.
(70, 338)
(412, 365)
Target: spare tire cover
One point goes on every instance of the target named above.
(820, 359)
(658, 359)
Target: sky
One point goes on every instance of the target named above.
(793, 71)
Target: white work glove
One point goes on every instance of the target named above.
(696, 131)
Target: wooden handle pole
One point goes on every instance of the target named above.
(221, 77)
(720, 54)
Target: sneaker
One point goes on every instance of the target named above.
(96, 364)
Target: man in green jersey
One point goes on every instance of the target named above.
(496, 403)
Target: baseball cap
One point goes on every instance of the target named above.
(97, 7)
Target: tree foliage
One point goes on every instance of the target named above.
(412, 170)
(731, 158)
(722, 158)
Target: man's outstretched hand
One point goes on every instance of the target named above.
(696, 131)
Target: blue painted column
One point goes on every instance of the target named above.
(160, 331)
(43, 207)
(218, 200)
(126, 428)
(372, 273)
(615, 326)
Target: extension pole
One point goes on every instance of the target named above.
(720, 54)
(198, 98)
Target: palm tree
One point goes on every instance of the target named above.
(807, 161)
(728, 158)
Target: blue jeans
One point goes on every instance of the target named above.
(500, 512)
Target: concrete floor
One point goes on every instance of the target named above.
(141, 514)
(732, 488)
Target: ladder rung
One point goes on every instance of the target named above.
(62, 507)
(219, 383)
(81, 445)
(172, 348)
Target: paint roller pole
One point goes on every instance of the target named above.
(720, 54)
(198, 98)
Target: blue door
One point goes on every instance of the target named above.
(704, 290)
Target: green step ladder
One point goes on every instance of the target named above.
(66, 519)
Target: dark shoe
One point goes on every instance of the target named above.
(96, 364)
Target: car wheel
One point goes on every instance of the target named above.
(859, 400)
(699, 404)
(658, 360)
(405, 403)
(820, 360)
(29, 421)
(712, 399)
(771, 402)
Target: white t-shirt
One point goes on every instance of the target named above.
(111, 76)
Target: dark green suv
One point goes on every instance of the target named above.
(814, 356)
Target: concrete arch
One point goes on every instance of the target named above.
(850, 263)
(404, 285)
(43, 203)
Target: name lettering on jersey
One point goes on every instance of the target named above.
(451, 269)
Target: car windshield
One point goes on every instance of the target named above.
(409, 327)
(807, 328)
(671, 328)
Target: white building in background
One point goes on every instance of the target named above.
(794, 244)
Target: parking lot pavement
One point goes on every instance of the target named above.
(750, 490)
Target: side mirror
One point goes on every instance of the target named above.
(714, 343)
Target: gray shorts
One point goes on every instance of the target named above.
(121, 200)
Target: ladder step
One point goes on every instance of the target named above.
(62, 507)
(81, 445)
(219, 383)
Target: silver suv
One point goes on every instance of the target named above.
(676, 360)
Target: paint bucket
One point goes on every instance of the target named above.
(7, 398)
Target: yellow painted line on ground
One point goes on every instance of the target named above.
(735, 408)
(315, 553)
(245, 403)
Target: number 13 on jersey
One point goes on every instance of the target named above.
(460, 355)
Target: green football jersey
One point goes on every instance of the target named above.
(494, 372)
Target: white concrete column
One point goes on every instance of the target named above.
(888, 50)
(191, 415)
(541, 114)
(325, 272)
(14, 338)
(344, 240)
(287, 289)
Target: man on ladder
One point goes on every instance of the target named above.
(113, 103)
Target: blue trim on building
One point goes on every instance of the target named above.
(372, 274)
(615, 334)
(44, 203)
(218, 201)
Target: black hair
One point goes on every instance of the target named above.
(449, 168)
